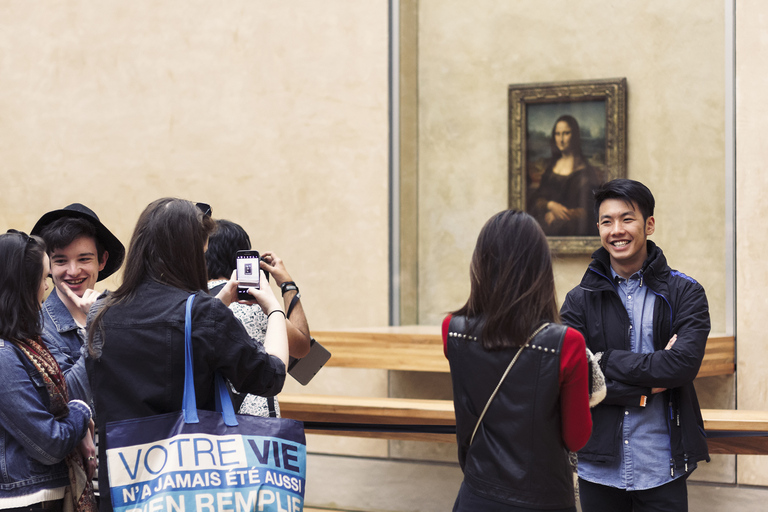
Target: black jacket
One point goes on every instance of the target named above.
(517, 456)
(595, 308)
(139, 370)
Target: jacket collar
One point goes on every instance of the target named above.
(59, 313)
(655, 270)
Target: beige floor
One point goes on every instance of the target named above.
(352, 484)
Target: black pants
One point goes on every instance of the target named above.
(43, 506)
(671, 497)
(469, 501)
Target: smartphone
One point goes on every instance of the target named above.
(247, 273)
(307, 367)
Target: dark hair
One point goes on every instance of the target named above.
(575, 138)
(21, 271)
(630, 191)
(512, 288)
(221, 256)
(62, 232)
(167, 246)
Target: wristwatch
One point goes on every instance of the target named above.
(288, 286)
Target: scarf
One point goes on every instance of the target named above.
(79, 494)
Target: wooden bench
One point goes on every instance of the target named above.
(420, 349)
(739, 424)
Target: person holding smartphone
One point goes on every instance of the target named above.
(229, 248)
(136, 342)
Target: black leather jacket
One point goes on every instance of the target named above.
(595, 309)
(517, 456)
(140, 369)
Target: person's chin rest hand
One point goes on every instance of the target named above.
(83, 303)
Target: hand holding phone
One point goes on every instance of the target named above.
(248, 273)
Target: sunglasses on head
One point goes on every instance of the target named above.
(17, 232)
(205, 208)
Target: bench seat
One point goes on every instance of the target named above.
(730, 431)
(419, 348)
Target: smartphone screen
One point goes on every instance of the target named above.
(247, 273)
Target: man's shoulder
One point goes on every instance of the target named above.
(676, 274)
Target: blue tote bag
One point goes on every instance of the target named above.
(204, 460)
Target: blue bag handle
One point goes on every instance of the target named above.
(189, 402)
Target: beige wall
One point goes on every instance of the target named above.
(469, 53)
(751, 210)
(273, 112)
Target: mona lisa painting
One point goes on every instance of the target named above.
(564, 140)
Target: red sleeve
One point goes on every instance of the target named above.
(574, 392)
(446, 322)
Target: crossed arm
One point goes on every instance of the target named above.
(631, 376)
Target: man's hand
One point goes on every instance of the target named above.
(670, 344)
(83, 303)
(272, 263)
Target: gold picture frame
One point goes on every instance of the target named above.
(594, 115)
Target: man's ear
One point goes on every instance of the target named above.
(650, 226)
(103, 262)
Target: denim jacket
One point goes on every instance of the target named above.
(33, 444)
(60, 334)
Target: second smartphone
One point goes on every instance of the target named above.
(247, 273)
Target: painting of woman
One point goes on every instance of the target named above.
(562, 203)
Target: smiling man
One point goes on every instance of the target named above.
(648, 324)
(82, 252)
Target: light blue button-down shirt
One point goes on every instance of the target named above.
(644, 461)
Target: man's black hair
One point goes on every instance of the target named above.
(223, 244)
(62, 232)
(630, 191)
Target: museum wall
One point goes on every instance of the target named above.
(274, 113)
(751, 211)
(672, 55)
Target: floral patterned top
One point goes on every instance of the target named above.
(255, 322)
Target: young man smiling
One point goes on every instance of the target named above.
(648, 324)
(82, 252)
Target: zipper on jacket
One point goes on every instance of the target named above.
(672, 467)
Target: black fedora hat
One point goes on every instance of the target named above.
(110, 242)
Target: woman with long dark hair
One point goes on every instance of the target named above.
(136, 339)
(46, 448)
(563, 201)
(520, 382)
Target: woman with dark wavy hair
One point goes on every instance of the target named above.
(46, 445)
(136, 338)
(563, 201)
(520, 382)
